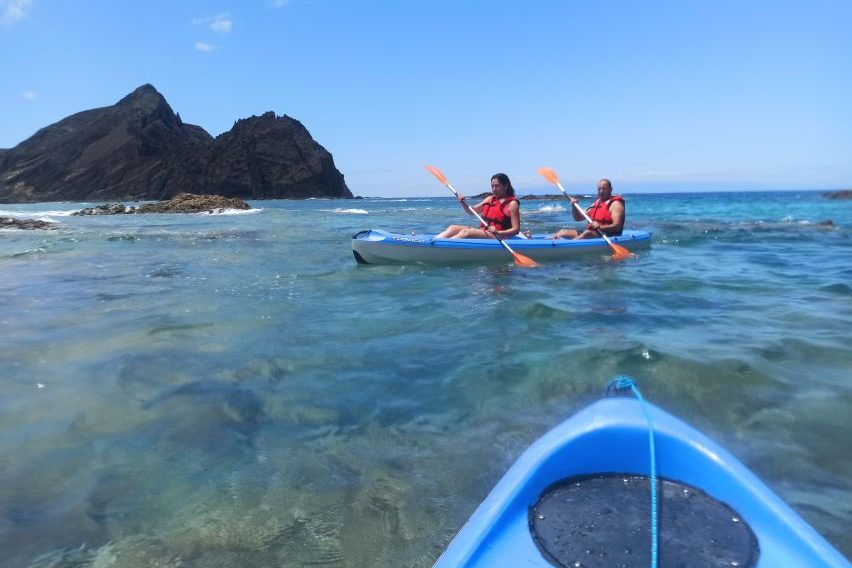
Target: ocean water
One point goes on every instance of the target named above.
(234, 390)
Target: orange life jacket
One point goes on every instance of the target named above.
(497, 214)
(599, 211)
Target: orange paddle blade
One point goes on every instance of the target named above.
(619, 252)
(524, 261)
(438, 174)
(549, 175)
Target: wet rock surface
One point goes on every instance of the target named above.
(106, 209)
(183, 203)
(12, 223)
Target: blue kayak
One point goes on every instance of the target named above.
(382, 247)
(610, 438)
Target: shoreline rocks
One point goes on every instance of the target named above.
(106, 209)
(28, 224)
(181, 203)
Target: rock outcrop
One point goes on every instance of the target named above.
(106, 209)
(140, 149)
(842, 194)
(12, 223)
(183, 203)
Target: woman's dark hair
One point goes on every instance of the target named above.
(504, 179)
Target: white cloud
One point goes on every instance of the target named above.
(13, 10)
(222, 24)
(29, 95)
(281, 3)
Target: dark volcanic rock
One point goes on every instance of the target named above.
(843, 194)
(183, 203)
(140, 149)
(189, 203)
(12, 223)
(105, 209)
(276, 157)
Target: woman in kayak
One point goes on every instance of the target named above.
(606, 213)
(500, 210)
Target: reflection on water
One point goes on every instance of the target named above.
(215, 391)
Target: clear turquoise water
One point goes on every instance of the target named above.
(220, 391)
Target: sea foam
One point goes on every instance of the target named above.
(231, 212)
(347, 211)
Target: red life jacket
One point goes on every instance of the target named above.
(599, 211)
(497, 214)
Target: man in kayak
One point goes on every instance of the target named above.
(606, 213)
(500, 210)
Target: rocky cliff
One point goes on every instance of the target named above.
(140, 149)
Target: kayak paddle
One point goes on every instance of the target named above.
(520, 259)
(618, 251)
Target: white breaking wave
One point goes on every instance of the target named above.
(41, 215)
(231, 212)
(551, 208)
(61, 213)
(347, 211)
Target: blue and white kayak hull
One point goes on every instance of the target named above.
(612, 436)
(381, 247)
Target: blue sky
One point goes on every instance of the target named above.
(656, 95)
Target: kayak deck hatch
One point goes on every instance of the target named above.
(602, 521)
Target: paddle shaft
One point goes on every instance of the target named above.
(481, 220)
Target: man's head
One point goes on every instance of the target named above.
(604, 189)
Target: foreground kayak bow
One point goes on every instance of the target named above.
(591, 461)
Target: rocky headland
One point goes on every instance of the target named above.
(842, 194)
(140, 149)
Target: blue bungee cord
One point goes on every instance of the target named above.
(623, 382)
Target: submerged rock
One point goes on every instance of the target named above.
(12, 223)
(182, 203)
